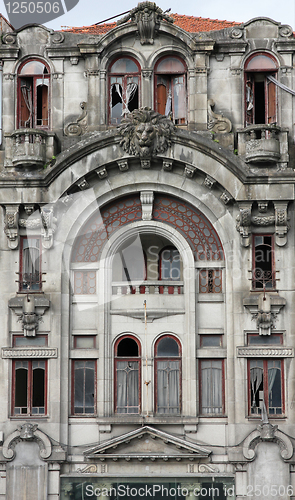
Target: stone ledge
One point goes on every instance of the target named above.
(20, 352)
(269, 352)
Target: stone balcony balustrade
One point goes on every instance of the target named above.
(29, 147)
(148, 287)
(261, 144)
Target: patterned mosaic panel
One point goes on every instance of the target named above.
(192, 224)
(210, 281)
(84, 282)
(188, 220)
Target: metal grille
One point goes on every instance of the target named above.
(210, 281)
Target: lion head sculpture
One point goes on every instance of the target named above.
(145, 133)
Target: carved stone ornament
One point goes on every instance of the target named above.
(43, 220)
(146, 199)
(29, 310)
(11, 225)
(281, 222)
(189, 171)
(264, 433)
(217, 122)
(243, 223)
(27, 432)
(145, 133)
(102, 172)
(147, 16)
(167, 165)
(209, 182)
(79, 127)
(123, 165)
(264, 308)
(285, 31)
(9, 38)
(226, 197)
(236, 33)
(83, 184)
(57, 37)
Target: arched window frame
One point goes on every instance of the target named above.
(127, 359)
(33, 106)
(176, 111)
(260, 95)
(123, 79)
(168, 409)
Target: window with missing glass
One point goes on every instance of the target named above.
(124, 88)
(170, 89)
(168, 375)
(265, 386)
(127, 375)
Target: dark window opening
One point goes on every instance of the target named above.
(124, 83)
(168, 376)
(265, 386)
(259, 103)
(127, 347)
(263, 262)
(33, 96)
(30, 276)
(29, 387)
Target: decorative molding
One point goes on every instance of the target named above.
(123, 165)
(236, 33)
(209, 182)
(189, 170)
(102, 172)
(285, 31)
(8, 76)
(281, 222)
(226, 197)
(27, 352)
(9, 38)
(11, 219)
(79, 127)
(262, 207)
(145, 133)
(147, 73)
(267, 432)
(29, 309)
(27, 432)
(152, 314)
(48, 225)
(260, 220)
(89, 469)
(265, 352)
(83, 184)
(201, 70)
(167, 165)
(235, 71)
(74, 61)
(217, 122)
(264, 308)
(207, 468)
(57, 37)
(146, 199)
(243, 223)
(29, 208)
(145, 163)
(147, 16)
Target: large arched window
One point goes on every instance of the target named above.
(168, 375)
(260, 91)
(33, 95)
(170, 89)
(124, 82)
(127, 375)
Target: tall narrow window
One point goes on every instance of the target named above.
(33, 95)
(263, 262)
(170, 89)
(124, 81)
(211, 387)
(266, 386)
(260, 92)
(30, 276)
(127, 375)
(83, 387)
(170, 264)
(29, 387)
(168, 375)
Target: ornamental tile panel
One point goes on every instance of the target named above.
(265, 352)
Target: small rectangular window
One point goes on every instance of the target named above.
(263, 274)
(84, 341)
(21, 341)
(210, 281)
(211, 340)
(84, 282)
(30, 276)
(211, 387)
(29, 387)
(84, 387)
(254, 339)
(266, 386)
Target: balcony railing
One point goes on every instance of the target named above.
(148, 287)
(264, 144)
(29, 148)
(263, 279)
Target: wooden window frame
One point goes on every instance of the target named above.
(172, 75)
(210, 415)
(255, 265)
(22, 285)
(270, 107)
(124, 86)
(29, 389)
(167, 358)
(73, 413)
(265, 388)
(126, 358)
(32, 81)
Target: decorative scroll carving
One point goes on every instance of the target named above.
(79, 127)
(285, 31)
(9, 38)
(145, 133)
(147, 198)
(243, 223)
(89, 469)
(281, 222)
(11, 225)
(267, 432)
(147, 16)
(207, 468)
(57, 37)
(27, 432)
(29, 310)
(236, 33)
(217, 122)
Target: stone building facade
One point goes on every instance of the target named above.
(147, 250)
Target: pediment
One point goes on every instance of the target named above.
(147, 443)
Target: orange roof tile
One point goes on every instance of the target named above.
(187, 23)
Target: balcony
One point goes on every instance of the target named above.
(163, 298)
(29, 148)
(261, 144)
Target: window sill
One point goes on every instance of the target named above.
(211, 297)
(84, 353)
(272, 417)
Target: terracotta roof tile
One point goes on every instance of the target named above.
(187, 23)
